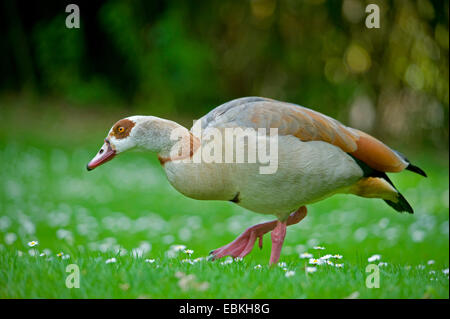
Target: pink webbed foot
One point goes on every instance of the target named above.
(243, 245)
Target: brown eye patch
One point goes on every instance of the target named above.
(122, 128)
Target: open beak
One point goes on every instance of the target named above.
(105, 154)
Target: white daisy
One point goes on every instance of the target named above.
(374, 258)
(187, 261)
(326, 257)
(311, 269)
(306, 256)
(60, 254)
(65, 257)
(111, 260)
(318, 247)
(227, 261)
(337, 256)
(445, 271)
(196, 260)
(431, 262)
(238, 259)
(330, 263)
(382, 264)
(177, 247)
(188, 251)
(33, 243)
(314, 261)
(420, 266)
(282, 264)
(339, 265)
(289, 273)
(33, 252)
(10, 238)
(257, 267)
(150, 261)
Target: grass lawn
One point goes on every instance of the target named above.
(126, 211)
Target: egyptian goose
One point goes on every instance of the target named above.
(317, 157)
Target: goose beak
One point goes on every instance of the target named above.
(105, 154)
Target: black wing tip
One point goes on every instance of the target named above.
(401, 205)
(416, 170)
(411, 167)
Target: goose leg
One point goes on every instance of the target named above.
(277, 235)
(243, 245)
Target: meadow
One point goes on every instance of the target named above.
(133, 236)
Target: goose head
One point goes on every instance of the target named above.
(145, 132)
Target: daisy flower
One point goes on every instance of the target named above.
(431, 262)
(188, 251)
(60, 254)
(337, 256)
(238, 259)
(282, 264)
(306, 255)
(227, 261)
(33, 252)
(420, 267)
(339, 265)
(445, 271)
(65, 257)
(374, 258)
(187, 261)
(257, 267)
(318, 247)
(33, 243)
(328, 256)
(314, 261)
(382, 264)
(10, 238)
(310, 270)
(177, 247)
(330, 263)
(289, 273)
(111, 260)
(150, 261)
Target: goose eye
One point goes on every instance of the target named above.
(121, 129)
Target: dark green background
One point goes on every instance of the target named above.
(179, 59)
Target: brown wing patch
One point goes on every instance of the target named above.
(122, 128)
(314, 126)
(322, 128)
(303, 123)
(377, 155)
(308, 125)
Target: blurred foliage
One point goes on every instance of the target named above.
(179, 58)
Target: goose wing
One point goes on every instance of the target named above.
(305, 124)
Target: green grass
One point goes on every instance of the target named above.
(46, 194)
